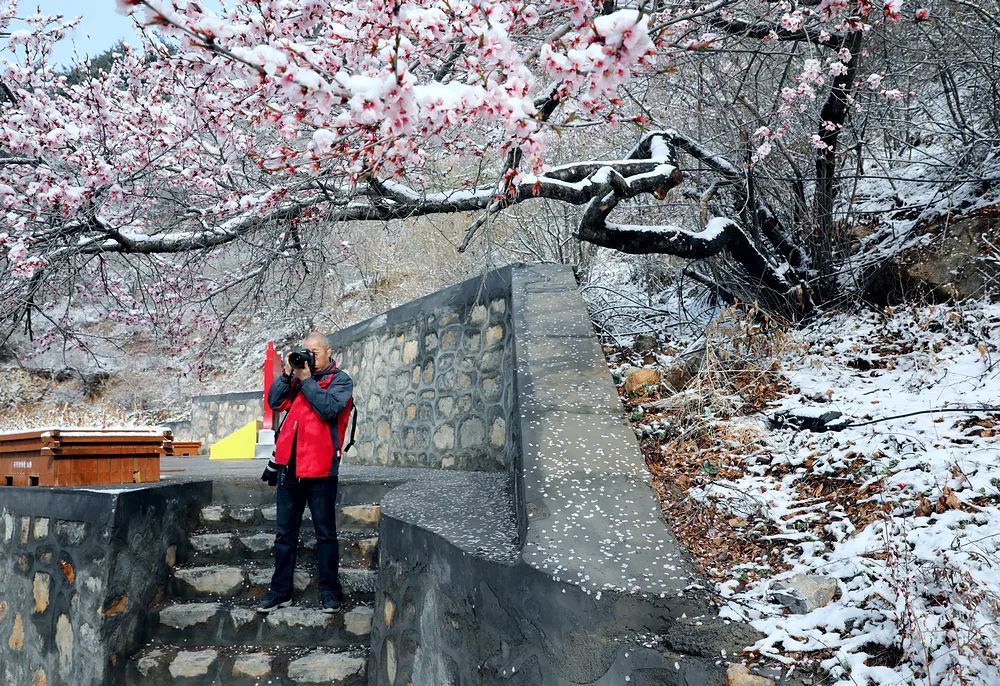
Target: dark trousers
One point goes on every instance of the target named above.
(321, 495)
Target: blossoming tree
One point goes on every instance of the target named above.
(244, 125)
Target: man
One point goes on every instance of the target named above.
(306, 460)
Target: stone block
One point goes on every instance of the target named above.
(430, 342)
(40, 588)
(498, 433)
(16, 639)
(252, 666)
(388, 612)
(187, 614)
(325, 668)
(64, 644)
(444, 437)
(71, 533)
(190, 664)
(41, 529)
(493, 335)
(478, 314)
(446, 407)
(8, 527)
(222, 581)
(25, 529)
(428, 374)
(472, 433)
(410, 352)
(358, 622)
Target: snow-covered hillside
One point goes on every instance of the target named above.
(871, 550)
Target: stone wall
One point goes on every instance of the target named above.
(434, 380)
(216, 416)
(566, 574)
(79, 570)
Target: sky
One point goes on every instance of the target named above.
(102, 25)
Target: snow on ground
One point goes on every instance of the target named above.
(919, 584)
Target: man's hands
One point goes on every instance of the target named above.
(300, 374)
(270, 475)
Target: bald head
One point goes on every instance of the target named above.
(320, 347)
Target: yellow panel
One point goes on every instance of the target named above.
(239, 445)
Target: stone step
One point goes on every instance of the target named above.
(157, 665)
(250, 582)
(356, 548)
(361, 517)
(229, 624)
(240, 492)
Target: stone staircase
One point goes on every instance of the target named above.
(207, 630)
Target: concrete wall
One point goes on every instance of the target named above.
(434, 380)
(216, 416)
(79, 570)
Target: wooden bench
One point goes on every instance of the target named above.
(81, 456)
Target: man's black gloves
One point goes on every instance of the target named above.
(270, 474)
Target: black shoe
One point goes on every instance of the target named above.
(272, 601)
(330, 602)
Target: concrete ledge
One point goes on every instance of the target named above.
(593, 518)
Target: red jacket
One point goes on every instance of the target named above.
(319, 409)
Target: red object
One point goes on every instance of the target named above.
(272, 368)
(318, 444)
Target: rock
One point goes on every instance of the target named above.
(644, 343)
(494, 335)
(804, 593)
(498, 433)
(388, 611)
(708, 639)
(953, 265)
(150, 662)
(358, 621)
(258, 543)
(809, 419)
(213, 514)
(40, 590)
(241, 616)
(269, 513)
(637, 380)
(170, 556)
(212, 544)
(222, 581)
(299, 617)
(41, 528)
(187, 614)
(444, 437)
(252, 665)
(325, 668)
(190, 663)
(16, 640)
(244, 515)
(64, 644)
(472, 433)
(71, 533)
(739, 675)
(39, 678)
(367, 515)
(390, 660)
(478, 314)
(367, 549)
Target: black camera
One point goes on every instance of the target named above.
(298, 359)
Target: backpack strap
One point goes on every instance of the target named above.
(354, 427)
